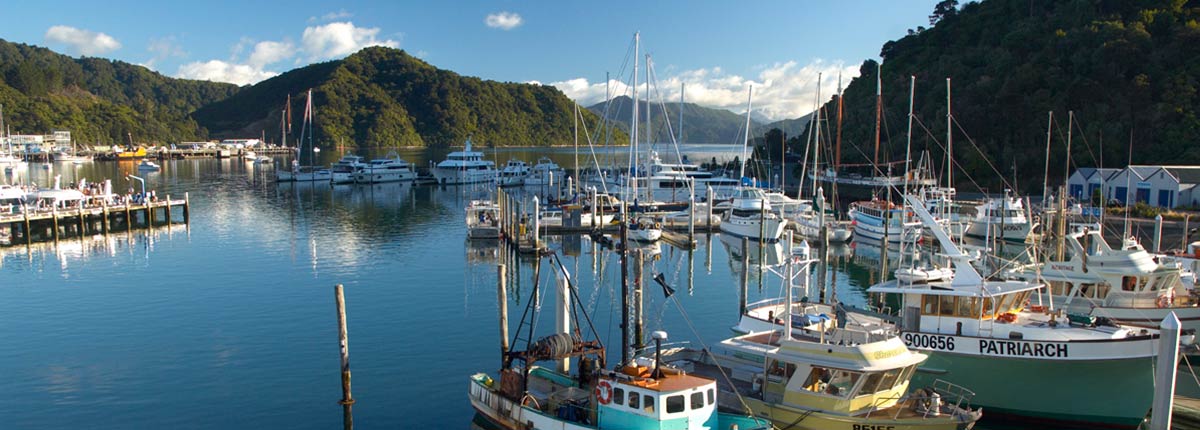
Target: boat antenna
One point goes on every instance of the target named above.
(878, 108)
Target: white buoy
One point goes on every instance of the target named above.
(1164, 376)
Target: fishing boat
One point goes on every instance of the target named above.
(750, 216)
(391, 168)
(1002, 218)
(148, 166)
(464, 167)
(645, 230)
(343, 170)
(984, 335)
(71, 156)
(814, 372)
(1127, 285)
(483, 220)
(580, 392)
(513, 174)
(883, 221)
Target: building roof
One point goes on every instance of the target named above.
(1185, 174)
(1090, 172)
(1144, 172)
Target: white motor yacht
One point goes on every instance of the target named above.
(464, 167)
(750, 216)
(391, 168)
(344, 169)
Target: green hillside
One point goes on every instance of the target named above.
(1128, 69)
(382, 97)
(98, 100)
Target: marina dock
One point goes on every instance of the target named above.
(40, 225)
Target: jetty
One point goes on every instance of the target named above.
(52, 224)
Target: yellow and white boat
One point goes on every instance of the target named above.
(822, 376)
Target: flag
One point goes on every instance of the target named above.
(661, 280)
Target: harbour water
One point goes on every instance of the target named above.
(230, 322)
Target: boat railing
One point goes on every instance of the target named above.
(928, 403)
(859, 336)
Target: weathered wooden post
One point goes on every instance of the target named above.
(28, 231)
(745, 276)
(709, 221)
(502, 301)
(347, 400)
(54, 216)
(104, 215)
(167, 212)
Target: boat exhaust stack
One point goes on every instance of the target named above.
(658, 336)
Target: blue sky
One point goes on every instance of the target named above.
(718, 49)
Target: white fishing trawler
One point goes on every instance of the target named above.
(1004, 218)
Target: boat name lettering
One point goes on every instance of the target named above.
(872, 427)
(881, 355)
(1022, 349)
(929, 341)
(1060, 266)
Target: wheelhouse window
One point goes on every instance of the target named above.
(634, 402)
(648, 404)
(697, 400)
(711, 397)
(618, 396)
(675, 404)
(929, 305)
(833, 382)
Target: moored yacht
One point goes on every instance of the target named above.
(883, 221)
(464, 167)
(545, 172)
(513, 174)
(1002, 218)
(391, 168)
(750, 216)
(343, 171)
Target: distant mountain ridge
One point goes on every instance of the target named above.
(383, 97)
(700, 124)
(99, 100)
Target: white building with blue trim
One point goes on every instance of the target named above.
(1161, 186)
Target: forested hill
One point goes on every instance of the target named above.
(1129, 70)
(382, 97)
(99, 100)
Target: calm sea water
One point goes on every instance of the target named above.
(230, 322)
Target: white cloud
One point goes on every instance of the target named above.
(83, 42)
(781, 90)
(162, 48)
(270, 52)
(220, 71)
(331, 16)
(503, 20)
(339, 39)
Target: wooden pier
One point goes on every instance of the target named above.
(41, 225)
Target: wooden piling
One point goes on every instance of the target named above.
(502, 301)
(81, 220)
(54, 217)
(745, 276)
(187, 203)
(104, 216)
(28, 229)
(343, 345)
(167, 212)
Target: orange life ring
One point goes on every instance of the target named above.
(603, 392)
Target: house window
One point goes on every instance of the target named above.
(618, 396)
(675, 404)
(697, 400)
(1077, 191)
(1121, 195)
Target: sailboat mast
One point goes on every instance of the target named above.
(633, 135)
(682, 88)
(837, 151)
(576, 151)
(816, 140)
(746, 139)
(878, 109)
(949, 141)
(1046, 177)
(912, 88)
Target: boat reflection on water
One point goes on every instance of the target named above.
(42, 255)
(760, 255)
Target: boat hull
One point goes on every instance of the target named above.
(369, 177)
(793, 418)
(463, 176)
(753, 229)
(1013, 233)
(1022, 389)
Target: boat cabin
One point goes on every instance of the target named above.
(1097, 273)
(676, 400)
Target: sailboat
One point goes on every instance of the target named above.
(818, 215)
(72, 156)
(298, 173)
(750, 212)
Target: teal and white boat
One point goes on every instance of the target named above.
(1026, 365)
(583, 394)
